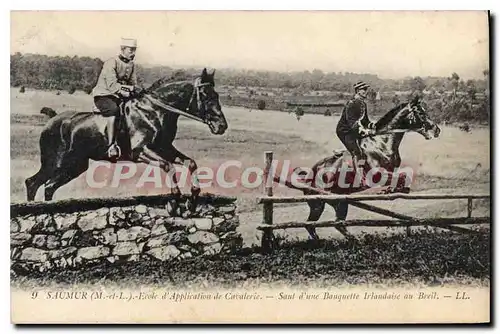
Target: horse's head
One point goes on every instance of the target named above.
(406, 117)
(206, 101)
(417, 119)
(197, 98)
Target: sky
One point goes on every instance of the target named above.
(389, 44)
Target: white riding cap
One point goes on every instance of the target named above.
(130, 42)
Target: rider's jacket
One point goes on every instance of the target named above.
(116, 71)
(355, 110)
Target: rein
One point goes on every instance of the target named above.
(392, 131)
(196, 94)
(172, 109)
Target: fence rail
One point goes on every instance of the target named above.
(385, 197)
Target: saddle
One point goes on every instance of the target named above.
(121, 128)
(123, 105)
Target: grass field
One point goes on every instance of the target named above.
(455, 162)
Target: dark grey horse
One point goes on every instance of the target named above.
(71, 138)
(382, 151)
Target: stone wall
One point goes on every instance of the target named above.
(60, 235)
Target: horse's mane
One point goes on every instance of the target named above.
(174, 77)
(384, 120)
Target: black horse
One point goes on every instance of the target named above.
(71, 138)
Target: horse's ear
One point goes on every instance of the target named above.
(213, 73)
(204, 73)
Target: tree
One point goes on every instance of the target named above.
(299, 112)
(471, 90)
(371, 94)
(417, 85)
(395, 100)
(462, 87)
(486, 74)
(454, 80)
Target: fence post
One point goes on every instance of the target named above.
(268, 236)
(469, 207)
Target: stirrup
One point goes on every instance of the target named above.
(114, 147)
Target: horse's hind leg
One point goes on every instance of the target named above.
(316, 208)
(51, 147)
(34, 182)
(48, 163)
(341, 208)
(64, 174)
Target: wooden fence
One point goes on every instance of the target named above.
(356, 200)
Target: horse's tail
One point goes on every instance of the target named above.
(48, 111)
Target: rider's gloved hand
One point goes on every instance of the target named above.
(138, 90)
(365, 132)
(125, 90)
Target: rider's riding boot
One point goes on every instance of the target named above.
(113, 148)
(359, 165)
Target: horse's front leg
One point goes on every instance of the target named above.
(184, 160)
(149, 156)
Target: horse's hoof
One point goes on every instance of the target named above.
(187, 213)
(190, 205)
(404, 190)
(178, 212)
(314, 238)
(385, 191)
(173, 208)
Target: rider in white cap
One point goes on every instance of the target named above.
(117, 80)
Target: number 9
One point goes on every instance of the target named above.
(34, 295)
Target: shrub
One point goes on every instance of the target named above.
(261, 105)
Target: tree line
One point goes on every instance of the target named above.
(454, 97)
(47, 72)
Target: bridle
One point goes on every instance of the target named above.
(197, 84)
(400, 130)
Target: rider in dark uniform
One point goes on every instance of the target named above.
(354, 123)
